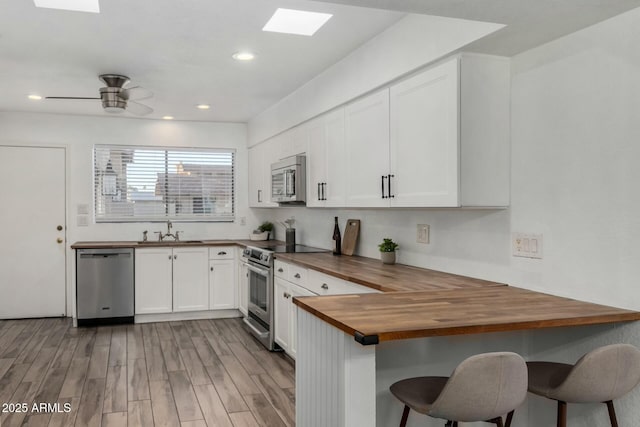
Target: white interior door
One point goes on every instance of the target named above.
(32, 254)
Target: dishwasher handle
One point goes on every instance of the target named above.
(105, 255)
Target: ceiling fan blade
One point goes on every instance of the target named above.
(67, 97)
(136, 93)
(138, 109)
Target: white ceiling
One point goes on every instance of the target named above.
(181, 50)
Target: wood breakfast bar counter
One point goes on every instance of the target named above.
(352, 347)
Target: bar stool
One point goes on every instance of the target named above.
(600, 376)
(483, 387)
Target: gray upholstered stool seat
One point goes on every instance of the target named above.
(600, 376)
(482, 388)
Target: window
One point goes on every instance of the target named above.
(135, 184)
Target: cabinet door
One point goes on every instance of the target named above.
(243, 288)
(316, 162)
(190, 279)
(153, 280)
(335, 182)
(282, 303)
(367, 150)
(222, 286)
(256, 192)
(424, 139)
(295, 291)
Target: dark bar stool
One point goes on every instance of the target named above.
(600, 376)
(482, 388)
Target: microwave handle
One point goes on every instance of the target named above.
(289, 183)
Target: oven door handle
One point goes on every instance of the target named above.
(261, 272)
(261, 334)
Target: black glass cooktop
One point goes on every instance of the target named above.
(295, 249)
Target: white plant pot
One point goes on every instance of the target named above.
(388, 257)
(260, 236)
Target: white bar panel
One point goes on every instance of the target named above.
(335, 377)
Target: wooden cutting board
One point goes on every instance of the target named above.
(350, 236)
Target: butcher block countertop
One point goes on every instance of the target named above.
(386, 278)
(374, 318)
(418, 302)
(171, 243)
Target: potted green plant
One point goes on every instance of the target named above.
(263, 231)
(388, 251)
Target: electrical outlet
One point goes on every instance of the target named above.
(83, 209)
(423, 233)
(526, 245)
(243, 220)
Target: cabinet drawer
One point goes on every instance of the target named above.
(281, 269)
(323, 284)
(222, 252)
(297, 275)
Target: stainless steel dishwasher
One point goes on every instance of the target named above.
(104, 286)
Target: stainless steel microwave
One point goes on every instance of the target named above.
(288, 180)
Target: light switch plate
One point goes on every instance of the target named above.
(526, 245)
(83, 209)
(422, 235)
(82, 221)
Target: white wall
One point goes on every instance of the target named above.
(411, 43)
(79, 134)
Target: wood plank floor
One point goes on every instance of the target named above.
(191, 373)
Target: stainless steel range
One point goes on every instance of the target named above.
(260, 317)
(260, 314)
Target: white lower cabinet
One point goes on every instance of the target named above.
(185, 279)
(281, 303)
(222, 278)
(294, 281)
(286, 313)
(154, 281)
(190, 279)
(171, 279)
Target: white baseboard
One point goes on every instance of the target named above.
(188, 315)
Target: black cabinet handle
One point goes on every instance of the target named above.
(222, 253)
(324, 191)
(259, 196)
(319, 191)
(389, 186)
(383, 178)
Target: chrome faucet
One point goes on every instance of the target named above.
(161, 236)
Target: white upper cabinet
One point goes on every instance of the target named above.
(260, 158)
(367, 150)
(437, 139)
(424, 139)
(326, 183)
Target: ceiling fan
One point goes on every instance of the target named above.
(116, 98)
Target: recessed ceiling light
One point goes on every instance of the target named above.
(76, 5)
(167, 117)
(296, 22)
(243, 56)
(35, 97)
(203, 106)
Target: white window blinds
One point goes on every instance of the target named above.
(135, 184)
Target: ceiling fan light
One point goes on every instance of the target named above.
(114, 110)
(35, 97)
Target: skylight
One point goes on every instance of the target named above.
(296, 22)
(76, 5)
